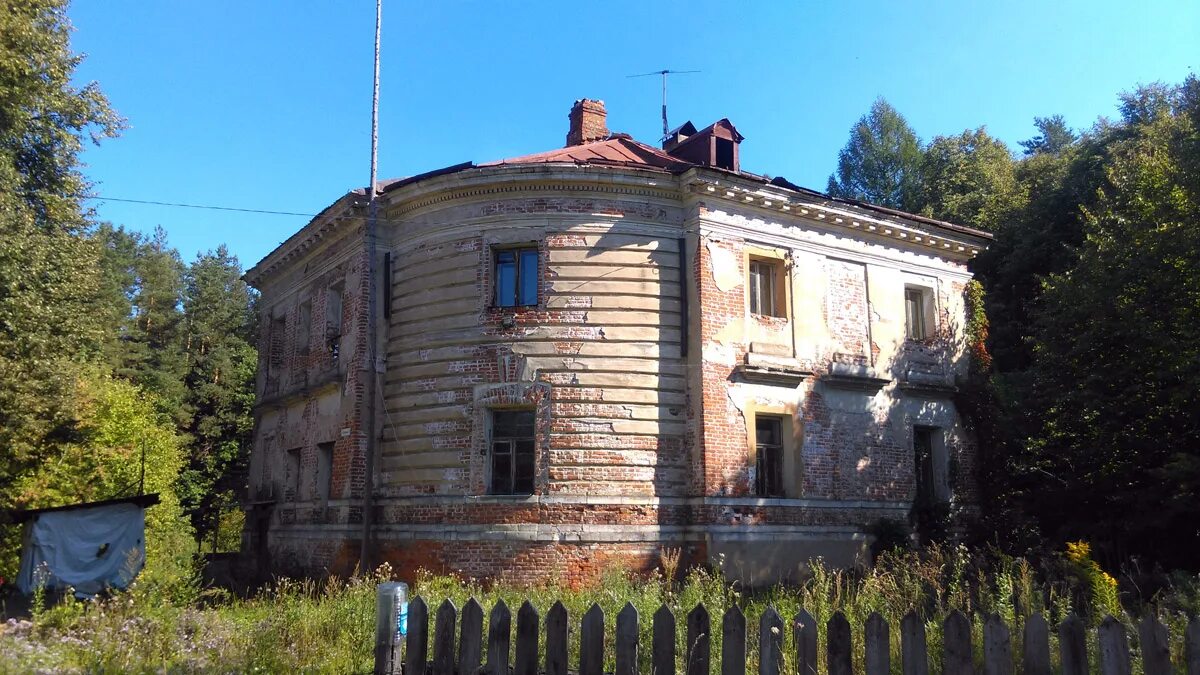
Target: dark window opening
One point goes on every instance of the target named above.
(276, 347)
(768, 435)
(926, 495)
(516, 277)
(304, 326)
(324, 470)
(333, 321)
(763, 291)
(386, 291)
(914, 313)
(292, 476)
(725, 154)
(512, 461)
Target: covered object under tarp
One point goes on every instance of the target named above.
(86, 547)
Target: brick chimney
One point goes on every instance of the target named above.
(587, 122)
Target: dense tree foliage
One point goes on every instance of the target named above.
(110, 346)
(881, 162)
(220, 383)
(1086, 414)
(46, 279)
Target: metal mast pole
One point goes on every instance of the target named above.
(666, 129)
(372, 293)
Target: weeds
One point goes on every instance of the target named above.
(328, 626)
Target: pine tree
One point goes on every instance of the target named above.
(881, 161)
(222, 359)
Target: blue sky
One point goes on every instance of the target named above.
(266, 104)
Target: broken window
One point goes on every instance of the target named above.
(768, 456)
(324, 470)
(333, 320)
(512, 457)
(765, 288)
(516, 277)
(915, 307)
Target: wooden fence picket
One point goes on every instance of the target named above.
(526, 659)
(556, 640)
(470, 641)
(698, 642)
(591, 642)
(443, 638)
(957, 654)
(1113, 647)
(1156, 652)
(838, 646)
(733, 642)
(499, 632)
(997, 647)
(770, 643)
(1072, 646)
(914, 655)
(1036, 646)
(662, 645)
(627, 640)
(1191, 646)
(878, 645)
(804, 632)
(417, 641)
(458, 643)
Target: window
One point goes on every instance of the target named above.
(292, 475)
(333, 320)
(275, 349)
(516, 277)
(304, 326)
(914, 313)
(765, 289)
(923, 462)
(512, 452)
(324, 470)
(725, 154)
(768, 463)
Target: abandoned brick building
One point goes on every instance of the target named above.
(592, 354)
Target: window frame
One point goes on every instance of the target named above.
(513, 444)
(925, 313)
(778, 293)
(517, 251)
(763, 479)
(292, 470)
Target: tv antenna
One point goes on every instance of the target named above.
(664, 74)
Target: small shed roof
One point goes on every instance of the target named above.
(21, 515)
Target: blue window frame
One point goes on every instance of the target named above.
(516, 277)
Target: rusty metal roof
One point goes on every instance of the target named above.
(617, 149)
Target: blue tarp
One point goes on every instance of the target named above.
(86, 549)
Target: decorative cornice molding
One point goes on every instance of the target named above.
(943, 243)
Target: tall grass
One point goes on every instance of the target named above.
(328, 626)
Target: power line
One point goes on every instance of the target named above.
(199, 206)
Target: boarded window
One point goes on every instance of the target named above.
(765, 288)
(324, 470)
(516, 277)
(914, 313)
(512, 457)
(768, 436)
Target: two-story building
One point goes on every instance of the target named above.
(592, 354)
